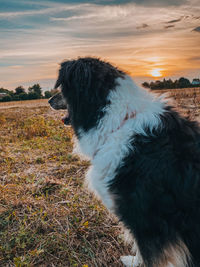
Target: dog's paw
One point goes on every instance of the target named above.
(127, 260)
(130, 261)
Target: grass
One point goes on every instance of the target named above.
(26, 103)
(47, 217)
(186, 100)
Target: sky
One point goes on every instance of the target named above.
(149, 39)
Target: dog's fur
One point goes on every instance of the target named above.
(145, 160)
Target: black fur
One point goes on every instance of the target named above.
(57, 102)
(85, 84)
(158, 188)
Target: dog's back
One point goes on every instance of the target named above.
(157, 192)
(145, 160)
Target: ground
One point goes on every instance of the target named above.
(47, 216)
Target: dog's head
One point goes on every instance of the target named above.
(85, 84)
(58, 102)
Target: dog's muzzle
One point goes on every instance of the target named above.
(57, 102)
(66, 120)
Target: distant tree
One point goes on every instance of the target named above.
(23, 96)
(159, 84)
(175, 84)
(19, 90)
(36, 88)
(15, 97)
(6, 98)
(47, 94)
(11, 93)
(183, 82)
(169, 84)
(146, 85)
(2, 90)
(33, 95)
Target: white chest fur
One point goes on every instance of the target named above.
(109, 143)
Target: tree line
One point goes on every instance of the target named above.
(169, 84)
(34, 92)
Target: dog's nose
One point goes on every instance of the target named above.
(51, 101)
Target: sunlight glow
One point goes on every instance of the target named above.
(156, 73)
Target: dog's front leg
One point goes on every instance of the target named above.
(132, 261)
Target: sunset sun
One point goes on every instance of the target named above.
(156, 73)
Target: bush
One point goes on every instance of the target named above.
(15, 98)
(33, 95)
(23, 96)
(6, 98)
(47, 94)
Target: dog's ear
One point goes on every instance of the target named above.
(82, 74)
(60, 78)
(57, 84)
(74, 75)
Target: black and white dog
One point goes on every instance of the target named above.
(145, 160)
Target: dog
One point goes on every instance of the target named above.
(145, 160)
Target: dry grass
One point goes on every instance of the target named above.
(47, 217)
(27, 103)
(186, 100)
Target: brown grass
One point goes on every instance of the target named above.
(47, 217)
(186, 100)
(26, 103)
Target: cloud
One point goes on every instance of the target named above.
(42, 11)
(16, 67)
(175, 20)
(169, 26)
(156, 3)
(143, 26)
(197, 29)
(196, 58)
(126, 33)
(159, 2)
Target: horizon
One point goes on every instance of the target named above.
(149, 39)
(154, 80)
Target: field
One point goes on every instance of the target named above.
(47, 217)
(187, 101)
